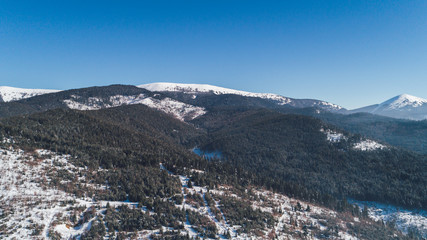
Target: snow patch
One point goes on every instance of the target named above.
(180, 110)
(91, 104)
(333, 136)
(368, 145)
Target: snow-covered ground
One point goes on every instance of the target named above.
(405, 220)
(179, 110)
(30, 208)
(8, 94)
(28, 205)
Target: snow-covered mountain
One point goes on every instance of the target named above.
(402, 106)
(8, 94)
(195, 89)
(95, 98)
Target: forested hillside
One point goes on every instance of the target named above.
(285, 152)
(135, 153)
(292, 148)
(408, 134)
(56, 100)
(411, 135)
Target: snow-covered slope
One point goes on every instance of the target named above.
(179, 110)
(404, 100)
(402, 106)
(33, 208)
(205, 88)
(403, 219)
(8, 94)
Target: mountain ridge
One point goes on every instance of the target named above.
(206, 89)
(403, 106)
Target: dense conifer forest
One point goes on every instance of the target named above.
(284, 152)
(291, 148)
(132, 148)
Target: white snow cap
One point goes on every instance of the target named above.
(404, 100)
(9, 94)
(193, 88)
(205, 88)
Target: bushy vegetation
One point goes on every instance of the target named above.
(239, 212)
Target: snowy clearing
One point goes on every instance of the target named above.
(368, 145)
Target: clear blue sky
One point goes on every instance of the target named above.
(351, 53)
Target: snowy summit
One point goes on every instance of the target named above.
(404, 100)
(206, 88)
(402, 106)
(8, 94)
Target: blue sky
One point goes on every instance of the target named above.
(352, 53)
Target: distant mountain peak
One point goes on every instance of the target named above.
(8, 94)
(404, 100)
(403, 106)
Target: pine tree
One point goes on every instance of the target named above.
(365, 213)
